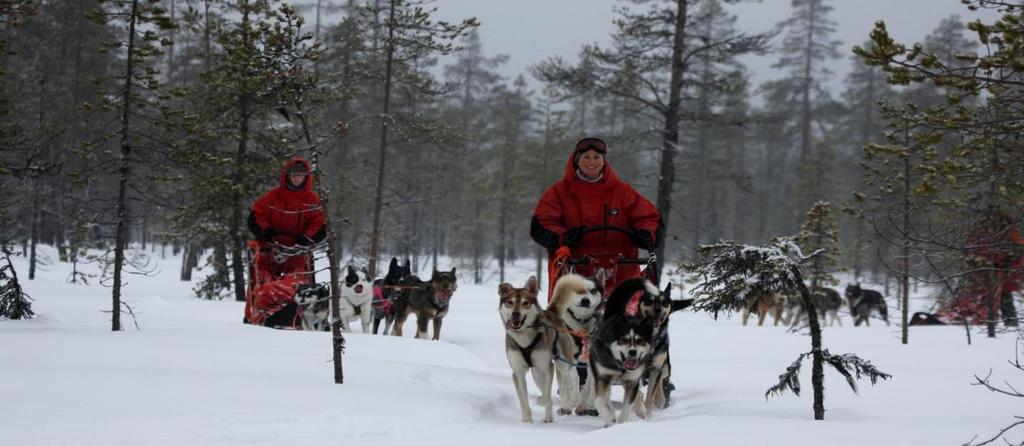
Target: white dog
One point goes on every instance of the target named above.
(356, 299)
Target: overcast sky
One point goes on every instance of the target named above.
(531, 30)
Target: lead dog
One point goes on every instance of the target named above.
(528, 344)
(574, 303)
(620, 350)
(429, 300)
(356, 300)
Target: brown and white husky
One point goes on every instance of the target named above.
(529, 342)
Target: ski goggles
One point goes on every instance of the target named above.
(594, 144)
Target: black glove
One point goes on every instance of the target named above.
(302, 240)
(573, 237)
(267, 233)
(642, 239)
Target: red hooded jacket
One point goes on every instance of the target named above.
(573, 202)
(290, 212)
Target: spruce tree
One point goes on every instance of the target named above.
(733, 276)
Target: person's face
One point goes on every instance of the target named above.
(296, 179)
(591, 163)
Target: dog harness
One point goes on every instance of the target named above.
(528, 350)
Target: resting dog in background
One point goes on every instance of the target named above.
(356, 300)
(574, 302)
(826, 300)
(528, 344)
(385, 305)
(620, 349)
(863, 302)
(429, 300)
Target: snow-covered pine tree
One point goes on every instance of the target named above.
(733, 276)
(14, 303)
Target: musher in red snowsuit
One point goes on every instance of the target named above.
(995, 251)
(591, 194)
(288, 215)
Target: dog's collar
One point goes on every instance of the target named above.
(581, 321)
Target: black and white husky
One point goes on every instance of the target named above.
(620, 349)
(657, 305)
(314, 306)
(863, 302)
(528, 344)
(574, 302)
(356, 301)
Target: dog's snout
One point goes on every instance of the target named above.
(359, 288)
(585, 302)
(632, 353)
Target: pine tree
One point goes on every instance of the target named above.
(138, 94)
(806, 52)
(977, 176)
(407, 33)
(734, 276)
(820, 233)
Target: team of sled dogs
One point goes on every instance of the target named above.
(392, 299)
(584, 342)
(788, 310)
(589, 345)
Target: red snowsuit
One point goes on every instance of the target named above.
(572, 202)
(290, 213)
(997, 245)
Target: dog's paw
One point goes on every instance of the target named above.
(564, 411)
(549, 419)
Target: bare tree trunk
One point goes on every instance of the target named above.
(817, 359)
(378, 202)
(35, 230)
(670, 133)
(237, 244)
(124, 169)
(904, 276)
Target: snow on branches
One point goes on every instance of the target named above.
(14, 303)
(735, 275)
(848, 365)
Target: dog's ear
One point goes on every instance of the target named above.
(351, 270)
(393, 264)
(531, 286)
(453, 271)
(408, 264)
(600, 277)
(668, 291)
(504, 289)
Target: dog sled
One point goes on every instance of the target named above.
(279, 277)
(614, 266)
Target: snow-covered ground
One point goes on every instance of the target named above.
(195, 375)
